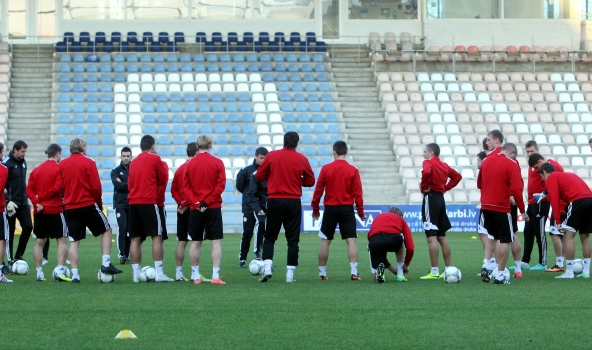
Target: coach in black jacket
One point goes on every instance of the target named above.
(17, 203)
(250, 220)
(119, 176)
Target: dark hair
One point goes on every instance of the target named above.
(147, 142)
(532, 143)
(340, 147)
(496, 134)
(261, 151)
(20, 144)
(433, 147)
(534, 158)
(547, 167)
(126, 149)
(481, 155)
(1, 147)
(53, 150)
(485, 148)
(510, 146)
(191, 149)
(291, 139)
(590, 141)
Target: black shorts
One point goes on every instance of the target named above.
(4, 227)
(183, 226)
(578, 218)
(50, 226)
(79, 219)
(162, 213)
(498, 225)
(342, 215)
(382, 243)
(433, 214)
(206, 225)
(144, 221)
(514, 213)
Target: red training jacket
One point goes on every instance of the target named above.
(566, 187)
(45, 188)
(392, 223)
(3, 179)
(146, 175)
(161, 190)
(536, 183)
(177, 185)
(435, 175)
(286, 172)
(80, 178)
(341, 183)
(498, 180)
(205, 179)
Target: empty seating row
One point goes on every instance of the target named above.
(490, 118)
(267, 77)
(203, 118)
(173, 97)
(190, 107)
(478, 77)
(486, 97)
(173, 67)
(185, 57)
(468, 87)
(242, 87)
(475, 107)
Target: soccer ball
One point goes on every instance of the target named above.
(506, 274)
(105, 278)
(55, 273)
(256, 267)
(20, 267)
(578, 266)
(147, 274)
(452, 275)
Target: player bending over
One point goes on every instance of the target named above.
(571, 189)
(388, 233)
(436, 179)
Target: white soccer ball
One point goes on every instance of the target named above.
(256, 267)
(147, 274)
(20, 267)
(452, 275)
(105, 278)
(55, 273)
(578, 266)
(506, 274)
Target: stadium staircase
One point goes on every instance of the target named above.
(29, 115)
(365, 126)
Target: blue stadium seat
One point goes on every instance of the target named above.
(252, 58)
(107, 164)
(107, 152)
(164, 140)
(324, 151)
(250, 140)
(221, 140)
(179, 151)
(305, 129)
(207, 129)
(77, 119)
(265, 57)
(248, 118)
(322, 140)
(238, 151)
(307, 140)
(164, 129)
(299, 97)
(92, 129)
(289, 118)
(314, 107)
(192, 129)
(223, 151)
(333, 129)
(179, 140)
(165, 151)
(149, 129)
(220, 129)
(301, 107)
(248, 129)
(105, 175)
(287, 107)
(162, 118)
(107, 140)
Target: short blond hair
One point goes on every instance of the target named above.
(396, 210)
(204, 142)
(77, 146)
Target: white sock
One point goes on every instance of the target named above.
(290, 272)
(569, 267)
(492, 264)
(195, 273)
(216, 273)
(435, 270)
(559, 261)
(158, 268)
(586, 266)
(267, 264)
(75, 274)
(485, 263)
(323, 271)
(400, 269)
(135, 269)
(40, 272)
(518, 266)
(354, 268)
(373, 270)
(179, 271)
(500, 275)
(62, 268)
(106, 260)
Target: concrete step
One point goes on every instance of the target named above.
(362, 109)
(360, 93)
(12, 115)
(22, 109)
(44, 66)
(370, 152)
(32, 85)
(15, 76)
(26, 93)
(340, 84)
(25, 80)
(360, 103)
(30, 122)
(29, 100)
(29, 70)
(357, 146)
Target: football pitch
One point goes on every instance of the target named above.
(537, 312)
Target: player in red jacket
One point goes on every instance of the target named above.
(500, 179)
(436, 179)
(540, 212)
(45, 192)
(341, 184)
(4, 224)
(571, 189)
(388, 233)
(286, 172)
(182, 211)
(83, 206)
(147, 176)
(203, 185)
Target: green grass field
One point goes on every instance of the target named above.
(536, 312)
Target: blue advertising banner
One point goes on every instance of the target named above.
(463, 218)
